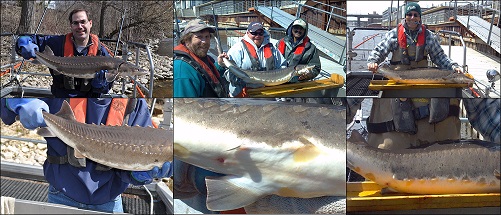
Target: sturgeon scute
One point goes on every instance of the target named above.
(458, 167)
(130, 148)
(267, 78)
(431, 75)
(87, 66)
(264, 147)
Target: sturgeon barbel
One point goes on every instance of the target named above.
(267, 78)
(87, 66)
(466, 166)
(123, 147)
(264, 147)
(429, 75)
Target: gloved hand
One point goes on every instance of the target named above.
(146, 177)
(27, 47)
(29, 111)
(99, 80)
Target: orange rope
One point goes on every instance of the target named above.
(366, 40)
(8, 70)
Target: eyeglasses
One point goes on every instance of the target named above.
(260, 33)
(413, 14)
(83, 22)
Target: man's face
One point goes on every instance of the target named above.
(297, 31)
(412, 19)
(199, 43)
(80, 26)
(257, 37)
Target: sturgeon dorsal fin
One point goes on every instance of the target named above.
(356, 137)
(65, 112)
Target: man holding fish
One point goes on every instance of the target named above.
(411, 44)
(80, 42)
(76, 180)
(254, 52)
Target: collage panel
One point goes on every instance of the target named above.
(93, 133)
(246, 155)
(259, 49)
(424, 108)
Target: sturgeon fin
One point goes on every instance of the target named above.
(388, 190)
(356, 137)
(110, 76)
(48, 51)
(496, 173)
(231, 192)
(65, 112)
(45, 132)
(78, 154)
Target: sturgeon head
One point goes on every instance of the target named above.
(466, 166)
(87, 66)
(264, 147)
(122, 147)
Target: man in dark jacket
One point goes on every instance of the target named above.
(80, 42)
(297, 49)
(84, 184)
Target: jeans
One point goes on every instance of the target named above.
(57, 197)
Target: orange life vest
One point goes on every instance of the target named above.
(268, 55)
(402, 43)
(210, 69)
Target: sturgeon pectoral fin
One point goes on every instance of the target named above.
(496, 173)
(231, 192)
(45, 132)
(78, 154)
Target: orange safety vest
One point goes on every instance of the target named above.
(93, 49)
(210, 69)
(268, 55)
(115, 114)
(402, 43)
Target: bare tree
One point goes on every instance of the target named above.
(26, 16)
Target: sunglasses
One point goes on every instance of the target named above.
(412, 14)
(260, 33)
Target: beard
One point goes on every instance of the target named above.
(199, 50)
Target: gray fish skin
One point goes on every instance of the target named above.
(264, 147)
(87, 66)
(471, 166)
(122, 147)
(267, 78)
(423, 75)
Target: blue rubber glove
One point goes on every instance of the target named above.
(99, 80)
(294, 79)
(146, 177)
(29, 111)
(27, 47)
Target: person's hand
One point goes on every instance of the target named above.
(99, 80)
(27, 47)
(146, 177)
(29, 111)
(372, 67)
(220, 59)
(457, 69)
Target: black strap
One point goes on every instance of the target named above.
(380, 127)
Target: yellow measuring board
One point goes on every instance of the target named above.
(367, 196)
(393, 85)
(335, 81)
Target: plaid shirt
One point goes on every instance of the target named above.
(390, 44)
(484, 116)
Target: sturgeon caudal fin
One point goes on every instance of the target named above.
(231, 192)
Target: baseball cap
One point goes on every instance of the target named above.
(299, 22)
(196, 25)
(254, 26)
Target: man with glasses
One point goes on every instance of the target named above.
(297, 49)
(80, 42)
(411, 44)
(254, 52)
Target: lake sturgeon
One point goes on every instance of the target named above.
(466, 166)
(264, 147)
(130, 148)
